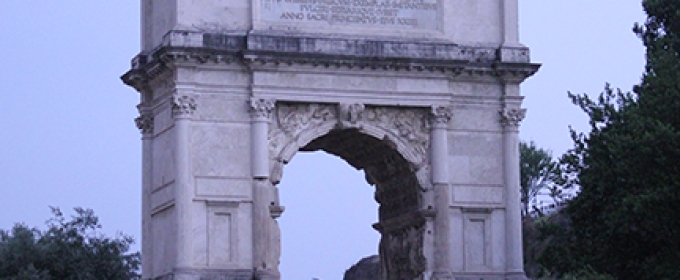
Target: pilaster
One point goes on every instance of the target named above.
(183, 107)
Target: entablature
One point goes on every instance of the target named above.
(257, 49)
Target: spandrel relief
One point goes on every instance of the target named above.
(406, 126)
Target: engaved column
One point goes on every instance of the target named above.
(145, 124)
(183, 108)
(265, 256)
(439, 156)
(511, 117)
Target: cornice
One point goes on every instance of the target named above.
(265, 49)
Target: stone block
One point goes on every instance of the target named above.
(486, 170)
(164, 236)
(163, 122)
(162, 197)
(214, 15)
(476, 118)
(476, 144)
(478, 21)
(158, 18)
(476, 195)
(223, 188)
(498, 239)
(475, 170)
(163, 168)
(222, 108)
(476, 158)
(217, 153)
(215, 78)
(475, 90)
(421, 86)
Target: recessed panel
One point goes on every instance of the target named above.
(475, 243)
(219, 238)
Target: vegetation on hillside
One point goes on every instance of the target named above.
(624, 222)
(68, 249)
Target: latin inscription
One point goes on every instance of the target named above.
(411, 14)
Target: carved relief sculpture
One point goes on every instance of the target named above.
(350, 114)
(357, 79)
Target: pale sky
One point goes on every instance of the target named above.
(67, 136)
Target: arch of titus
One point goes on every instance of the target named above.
(422, 95)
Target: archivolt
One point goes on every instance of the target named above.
(302, 126)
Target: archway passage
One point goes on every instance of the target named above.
(397, 191)
(326, 227)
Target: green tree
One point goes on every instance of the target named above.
(625, 220)
(537, 172)
(68, 249)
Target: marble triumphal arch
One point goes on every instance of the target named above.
(423, 95)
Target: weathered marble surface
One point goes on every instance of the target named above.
(423, 95)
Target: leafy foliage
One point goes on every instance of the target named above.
(624, 222)
(537, 173)
(68, 249)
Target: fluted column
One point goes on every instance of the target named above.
(264, 253)
(511, 118)
(439, 157)
(145, 125)
(183, 108)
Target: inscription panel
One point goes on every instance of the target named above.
(398, 14)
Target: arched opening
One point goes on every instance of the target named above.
(400, 222)
(326, 227)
